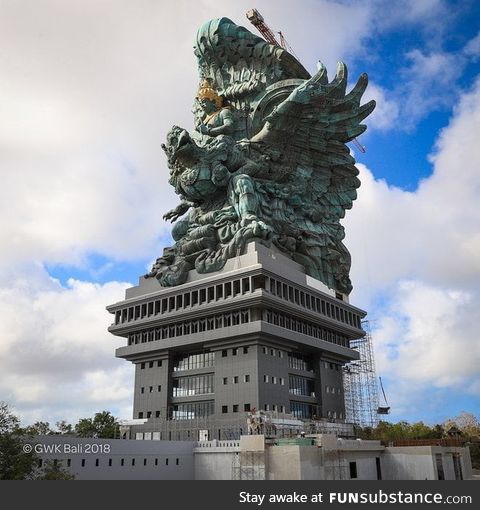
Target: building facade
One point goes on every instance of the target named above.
(258, 335)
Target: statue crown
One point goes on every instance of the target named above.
(206, 91)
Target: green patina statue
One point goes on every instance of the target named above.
(267, 161)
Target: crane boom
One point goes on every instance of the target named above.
(258, 21)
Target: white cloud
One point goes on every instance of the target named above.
(386, 113)
(416, 264)
(56, 356)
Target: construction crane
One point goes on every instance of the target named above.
(258, 21)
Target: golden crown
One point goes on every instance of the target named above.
(206, 91)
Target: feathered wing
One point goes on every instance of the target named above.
(239, 64)
(310, 128)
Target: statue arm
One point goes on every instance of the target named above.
(180, 210)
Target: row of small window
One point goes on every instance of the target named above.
(274, 407)
(132, 462)
(186, 300)
(299, 297)
(333, 390)
(272, 379)
(191, 327)
(235, 351)
(151, 364)
(304, 327)
(236, 408)
(150, 389)
(272, 352)
(332, 366)
(235, 379)
(148, 414)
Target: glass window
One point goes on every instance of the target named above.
(247, 378)
(224, 409)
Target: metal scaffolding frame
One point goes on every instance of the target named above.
(360, 383)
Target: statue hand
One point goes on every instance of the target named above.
(171, 215)
(205, 130)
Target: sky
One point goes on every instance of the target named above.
(88, 91)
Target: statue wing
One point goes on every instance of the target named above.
(239, 64)
(310, 128)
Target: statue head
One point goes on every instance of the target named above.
(179, 144)
(208, 97)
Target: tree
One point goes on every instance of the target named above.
(466, 423)
(103, 425)
(53, 470)
(15, 463)
(63, 427)
(39, 428)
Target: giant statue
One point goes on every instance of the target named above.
(267, 160)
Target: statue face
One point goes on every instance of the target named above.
(178, 142)
(208, 106)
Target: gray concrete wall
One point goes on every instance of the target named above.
(142, 460)
(418, 462)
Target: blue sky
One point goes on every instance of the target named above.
(86, 103)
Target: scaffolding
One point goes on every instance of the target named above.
(360, 383)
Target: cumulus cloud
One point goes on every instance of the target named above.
(416, 265)
(56, 356)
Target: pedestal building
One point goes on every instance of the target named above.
(258, 335)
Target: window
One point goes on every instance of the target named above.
(83, 462)
(246, 378)
(282, 381)
(224, 409)
(142, 366)
(195, 385)
(159, 363)
(159, 387)
(235, 379)
(97, 462)
(225, 380)
(266, 407)
(246, 407)
(157, 414)
(122, 462)
(353, 469)
(177, 461)
(234, 351)
(235, 408)
(133, 462)
(245, 350)
(150, 389)
(265, 378)
(142, 390)
(150, 364)
(69, 462)
(156, 460)
(224, 354)
(272, 352)
(140, 415)
(149, 414)
(166, 461)
(274, 380)
(379, 468)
